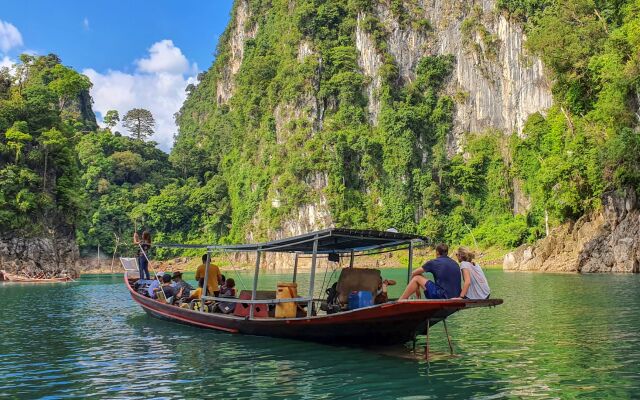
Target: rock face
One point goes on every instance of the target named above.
(604, 241)
(40, 257)
(496, 84)
(238, 36)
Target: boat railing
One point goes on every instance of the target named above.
(328, 242)
(263, 301)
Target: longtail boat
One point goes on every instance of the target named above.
(388, 323)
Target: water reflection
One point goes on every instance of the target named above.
(555, 336)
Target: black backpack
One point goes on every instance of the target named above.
(332, 305)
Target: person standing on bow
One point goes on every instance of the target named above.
(143, 246)
(446, 274)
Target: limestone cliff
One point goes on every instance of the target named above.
(41, 207)
(496, 84)
(238, 35)
(39, 257)
(603, 241)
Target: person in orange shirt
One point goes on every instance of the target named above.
(214, 278)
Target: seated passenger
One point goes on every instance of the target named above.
(195, 294)
(229, 288)
(475, 285)
(180, 284)
(381, 294)
(151, 290)
(446, 273)
(166, 287)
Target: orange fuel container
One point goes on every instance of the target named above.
(286, 290)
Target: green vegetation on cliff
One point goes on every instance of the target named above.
(44, 107)
(394, 174)
(400, 172)
(588, 142)
(292, 127)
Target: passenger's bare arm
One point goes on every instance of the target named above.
(417, 271)
(466, 275)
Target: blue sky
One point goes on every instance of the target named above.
(125, 47)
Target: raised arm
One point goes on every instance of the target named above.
(466, 275)
(136, 239)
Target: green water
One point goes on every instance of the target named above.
(556, 336)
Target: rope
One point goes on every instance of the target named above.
(326, 269)
(333, 271)
(226, 254)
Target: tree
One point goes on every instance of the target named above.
(50, 140)
(17, 136)
(68, 84)
(127, 166)
(111, 118)
(5, 82)
(139, 122)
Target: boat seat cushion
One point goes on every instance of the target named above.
(357, 279)
(260, 294)
(243, 310)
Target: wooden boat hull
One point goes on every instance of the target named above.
(384, 324)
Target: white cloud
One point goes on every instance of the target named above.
(164, 56)
(6, 62)
(10, 36)
(157, 85)
(85, 24)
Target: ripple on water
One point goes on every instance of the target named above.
(556, 336)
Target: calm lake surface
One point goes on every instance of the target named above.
(556, 336)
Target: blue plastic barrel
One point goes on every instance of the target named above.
(360, 299)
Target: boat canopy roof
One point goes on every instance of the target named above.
(334, 240)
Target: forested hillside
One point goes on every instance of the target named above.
(284, 119)
(131, 183)
(290, 129)
(44, 108)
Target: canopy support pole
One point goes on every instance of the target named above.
(351, 260)
(410, 264)
(312, 278)
(255, 282)
(206, 278)
(295, 267)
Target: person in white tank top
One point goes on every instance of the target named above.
(475, 285)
